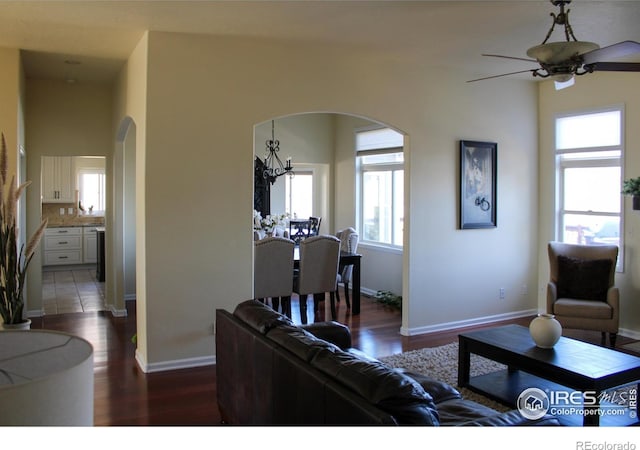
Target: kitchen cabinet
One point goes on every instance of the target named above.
(62, 245)
(89, 245)
(70, 245)
(58, 179)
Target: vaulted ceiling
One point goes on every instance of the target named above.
(100, 35)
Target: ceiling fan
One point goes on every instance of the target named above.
(562, 60)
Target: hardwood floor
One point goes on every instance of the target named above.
(124, 395)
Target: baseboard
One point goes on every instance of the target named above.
(448, 326)
(632, 334)
(187, 363)
(67, 267)
(35, 313)
(117, 312)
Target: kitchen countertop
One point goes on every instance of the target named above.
(75, 221)
(66, 225)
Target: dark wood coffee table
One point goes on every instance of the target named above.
(571, 366)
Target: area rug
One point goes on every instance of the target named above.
(634, 347)
(441, 363)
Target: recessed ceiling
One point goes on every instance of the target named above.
(102, 34)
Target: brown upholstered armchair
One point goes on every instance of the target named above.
(581, 292)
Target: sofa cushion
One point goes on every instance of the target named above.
(393, 392)
(460, 411)
(300, 342)
(583, 279)
(438, 390)
(332, 331)
(259, 316)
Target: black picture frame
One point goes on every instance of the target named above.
(478, 184)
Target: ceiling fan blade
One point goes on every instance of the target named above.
(510, 57)
(618, 50)
(615, 67)
(502, 75)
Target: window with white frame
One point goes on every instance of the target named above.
(91, 187)
(589, 148)
(380, 173)
(299, 195)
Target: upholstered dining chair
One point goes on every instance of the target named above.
(318, 271)
(349, 239)
(581, 292)
(273, 271)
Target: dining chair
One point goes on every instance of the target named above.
(349, 239)
(298, 230)
(314, 226)
(318, 271)
(272, 269)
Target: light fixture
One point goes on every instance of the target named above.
(273, 167)
(561, 60)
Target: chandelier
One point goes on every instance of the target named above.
(273, 166)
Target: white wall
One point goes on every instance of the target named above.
(204, 96)
(130, 113)
(593, 91)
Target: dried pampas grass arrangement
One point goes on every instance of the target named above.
(14, 261)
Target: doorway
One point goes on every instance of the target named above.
(73, 196)
(324, 145)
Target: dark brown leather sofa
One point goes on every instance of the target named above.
(272, 372)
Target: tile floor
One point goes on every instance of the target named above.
(71, 291)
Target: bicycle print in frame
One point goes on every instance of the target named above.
(478, 181)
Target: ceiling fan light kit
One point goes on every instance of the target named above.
(563, 60)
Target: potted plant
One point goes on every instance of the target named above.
(632, 187)
(14, 260)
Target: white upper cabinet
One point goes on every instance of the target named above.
(58, 179)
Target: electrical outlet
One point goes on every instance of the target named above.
(502, 293)
(62, 211)
(70, 211)
(525, 290)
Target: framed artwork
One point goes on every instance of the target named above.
(478, 182)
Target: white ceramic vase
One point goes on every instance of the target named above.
(545, 330)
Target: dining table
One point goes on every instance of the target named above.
(346, 259)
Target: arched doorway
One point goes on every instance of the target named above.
(322, 146)
(121, 275)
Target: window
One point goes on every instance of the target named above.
(380, 166)
(588, 162)
(91, 186)
(299, 195)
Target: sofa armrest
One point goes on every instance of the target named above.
(511, 419)
(552, 296)
(331, 331)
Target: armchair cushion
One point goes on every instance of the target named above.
(583, 279)
(585, 309)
